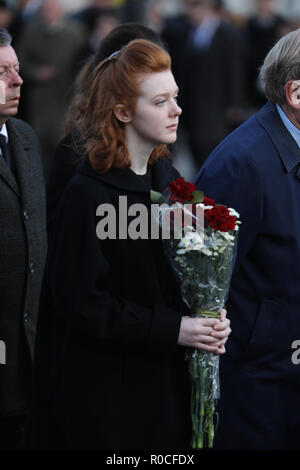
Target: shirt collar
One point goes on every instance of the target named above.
(204, 33)
(293, 130)
(3, 131)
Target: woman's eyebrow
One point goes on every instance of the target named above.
(167, 93)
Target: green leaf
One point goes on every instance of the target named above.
(198, 196)
(155, 196)
(158, 198)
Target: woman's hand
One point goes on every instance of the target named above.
(209, 334)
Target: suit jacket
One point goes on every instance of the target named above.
(115, 377)
(210, 79)
(256, 171)
(22, 257)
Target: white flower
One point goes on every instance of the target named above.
(228, 236)
(233, 212)
(200, 204)
(192, 240)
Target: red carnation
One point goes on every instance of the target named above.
(220, 219)
(207, 201)
(180, 190)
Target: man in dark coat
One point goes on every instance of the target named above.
(262, 30)
(208, 66)
(22, 249)
(49, 48)
(256, 170)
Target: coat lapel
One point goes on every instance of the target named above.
(7, 176)
(19, 148)
(287, 147)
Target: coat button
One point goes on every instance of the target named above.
(25, 214)
(25, 317)
(31, 268)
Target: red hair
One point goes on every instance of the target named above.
(116, 80)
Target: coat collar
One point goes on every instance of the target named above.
(7, 176)
(126, 179)
(19, 146)
(286, 146)
(5, 172)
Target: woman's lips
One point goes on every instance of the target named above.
(173, 127)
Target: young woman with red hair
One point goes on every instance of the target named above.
(116, 325)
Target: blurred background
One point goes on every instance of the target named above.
(216, 47)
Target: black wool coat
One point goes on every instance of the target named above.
(112, 376)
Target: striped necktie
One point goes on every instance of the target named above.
(3, 146)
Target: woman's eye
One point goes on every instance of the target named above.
(160, 102)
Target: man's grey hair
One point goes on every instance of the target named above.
(281, 65)
(5, 37)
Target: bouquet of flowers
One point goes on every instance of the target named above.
(200, 240)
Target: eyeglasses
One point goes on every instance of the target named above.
(4, 71)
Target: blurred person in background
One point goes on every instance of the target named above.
(103, 25)
(133, 10)
(89, 15)
(23, 11)
(154, 15)
(262, 31)
(208, 65)
(6, 15)
(49, 47)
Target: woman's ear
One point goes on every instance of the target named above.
(292, 93)
(122, 113)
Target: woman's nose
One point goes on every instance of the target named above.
(178, 110)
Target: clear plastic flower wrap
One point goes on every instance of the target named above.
(200, 244)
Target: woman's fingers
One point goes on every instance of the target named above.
(222, 325)
(220, 351)
(205, 333)
(221, 334)
(206, 347)
(206, 339)
(223, 314)
(202, 321)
